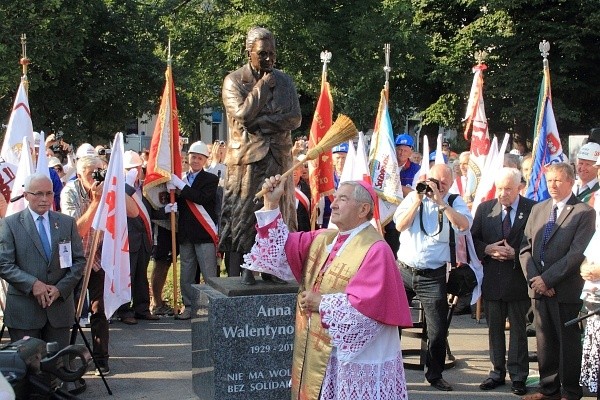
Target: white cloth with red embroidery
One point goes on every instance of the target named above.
(366, 360)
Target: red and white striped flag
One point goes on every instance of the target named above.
(165, 156)
(19, 126)
(480, 138)
(111, 217)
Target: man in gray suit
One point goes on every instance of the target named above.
(556, 235)
(497, 234)
(41, 258)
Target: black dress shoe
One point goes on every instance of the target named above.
(490, 384)
(148, 316)
(518, 388)
(272, 278)
(248, 277)
(441, 384)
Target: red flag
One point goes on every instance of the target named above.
(320, 169)
(165, 156)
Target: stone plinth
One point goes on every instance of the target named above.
(242, 339)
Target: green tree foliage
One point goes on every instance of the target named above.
(92, 64)
(510, 31)
(210, 37)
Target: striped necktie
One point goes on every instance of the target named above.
(506, 225)
(548, 230)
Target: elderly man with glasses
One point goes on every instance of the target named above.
(39, 301)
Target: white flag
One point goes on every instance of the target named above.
(384, 164)
(439, 155)
(24, 169)
(42, 159)
(486, 190)
(111, 217)
(19, 126)
(348, 170)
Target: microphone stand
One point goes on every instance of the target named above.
(576, 321)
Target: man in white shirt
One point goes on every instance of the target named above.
(587, 180)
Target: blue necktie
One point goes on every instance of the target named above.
(548, 229)
(44, 237)
(190, 178)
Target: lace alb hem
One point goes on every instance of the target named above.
(361, 381)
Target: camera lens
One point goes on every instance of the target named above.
(423, 188)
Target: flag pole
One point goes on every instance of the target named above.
(172, 193)
(480, 57)
(386, 91)
(87, 273)
(24, 61)
(387, 69)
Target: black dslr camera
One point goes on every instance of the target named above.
(32, 367)
(423, 187)
(99, 175)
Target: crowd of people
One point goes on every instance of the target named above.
(532, 281)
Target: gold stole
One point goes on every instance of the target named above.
(312, 344)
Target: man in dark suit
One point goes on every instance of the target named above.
(41, 258)
(497, 234)
(197, 232)
(556, 235)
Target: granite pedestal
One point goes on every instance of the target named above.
(242, 339)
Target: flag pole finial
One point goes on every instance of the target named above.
(24, 61)
(325, 59)
(545, 51)
(480, 56)
(387, 69)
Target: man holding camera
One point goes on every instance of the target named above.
(423, 220)
(80, 199)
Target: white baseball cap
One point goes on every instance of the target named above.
(85, 149)
(199, 147)
(131, 159)
(589, 151)
(53, 162)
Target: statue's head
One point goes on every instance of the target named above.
(260, 46)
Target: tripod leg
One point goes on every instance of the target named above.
(77, 327)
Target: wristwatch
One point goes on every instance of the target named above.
(443, 208)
